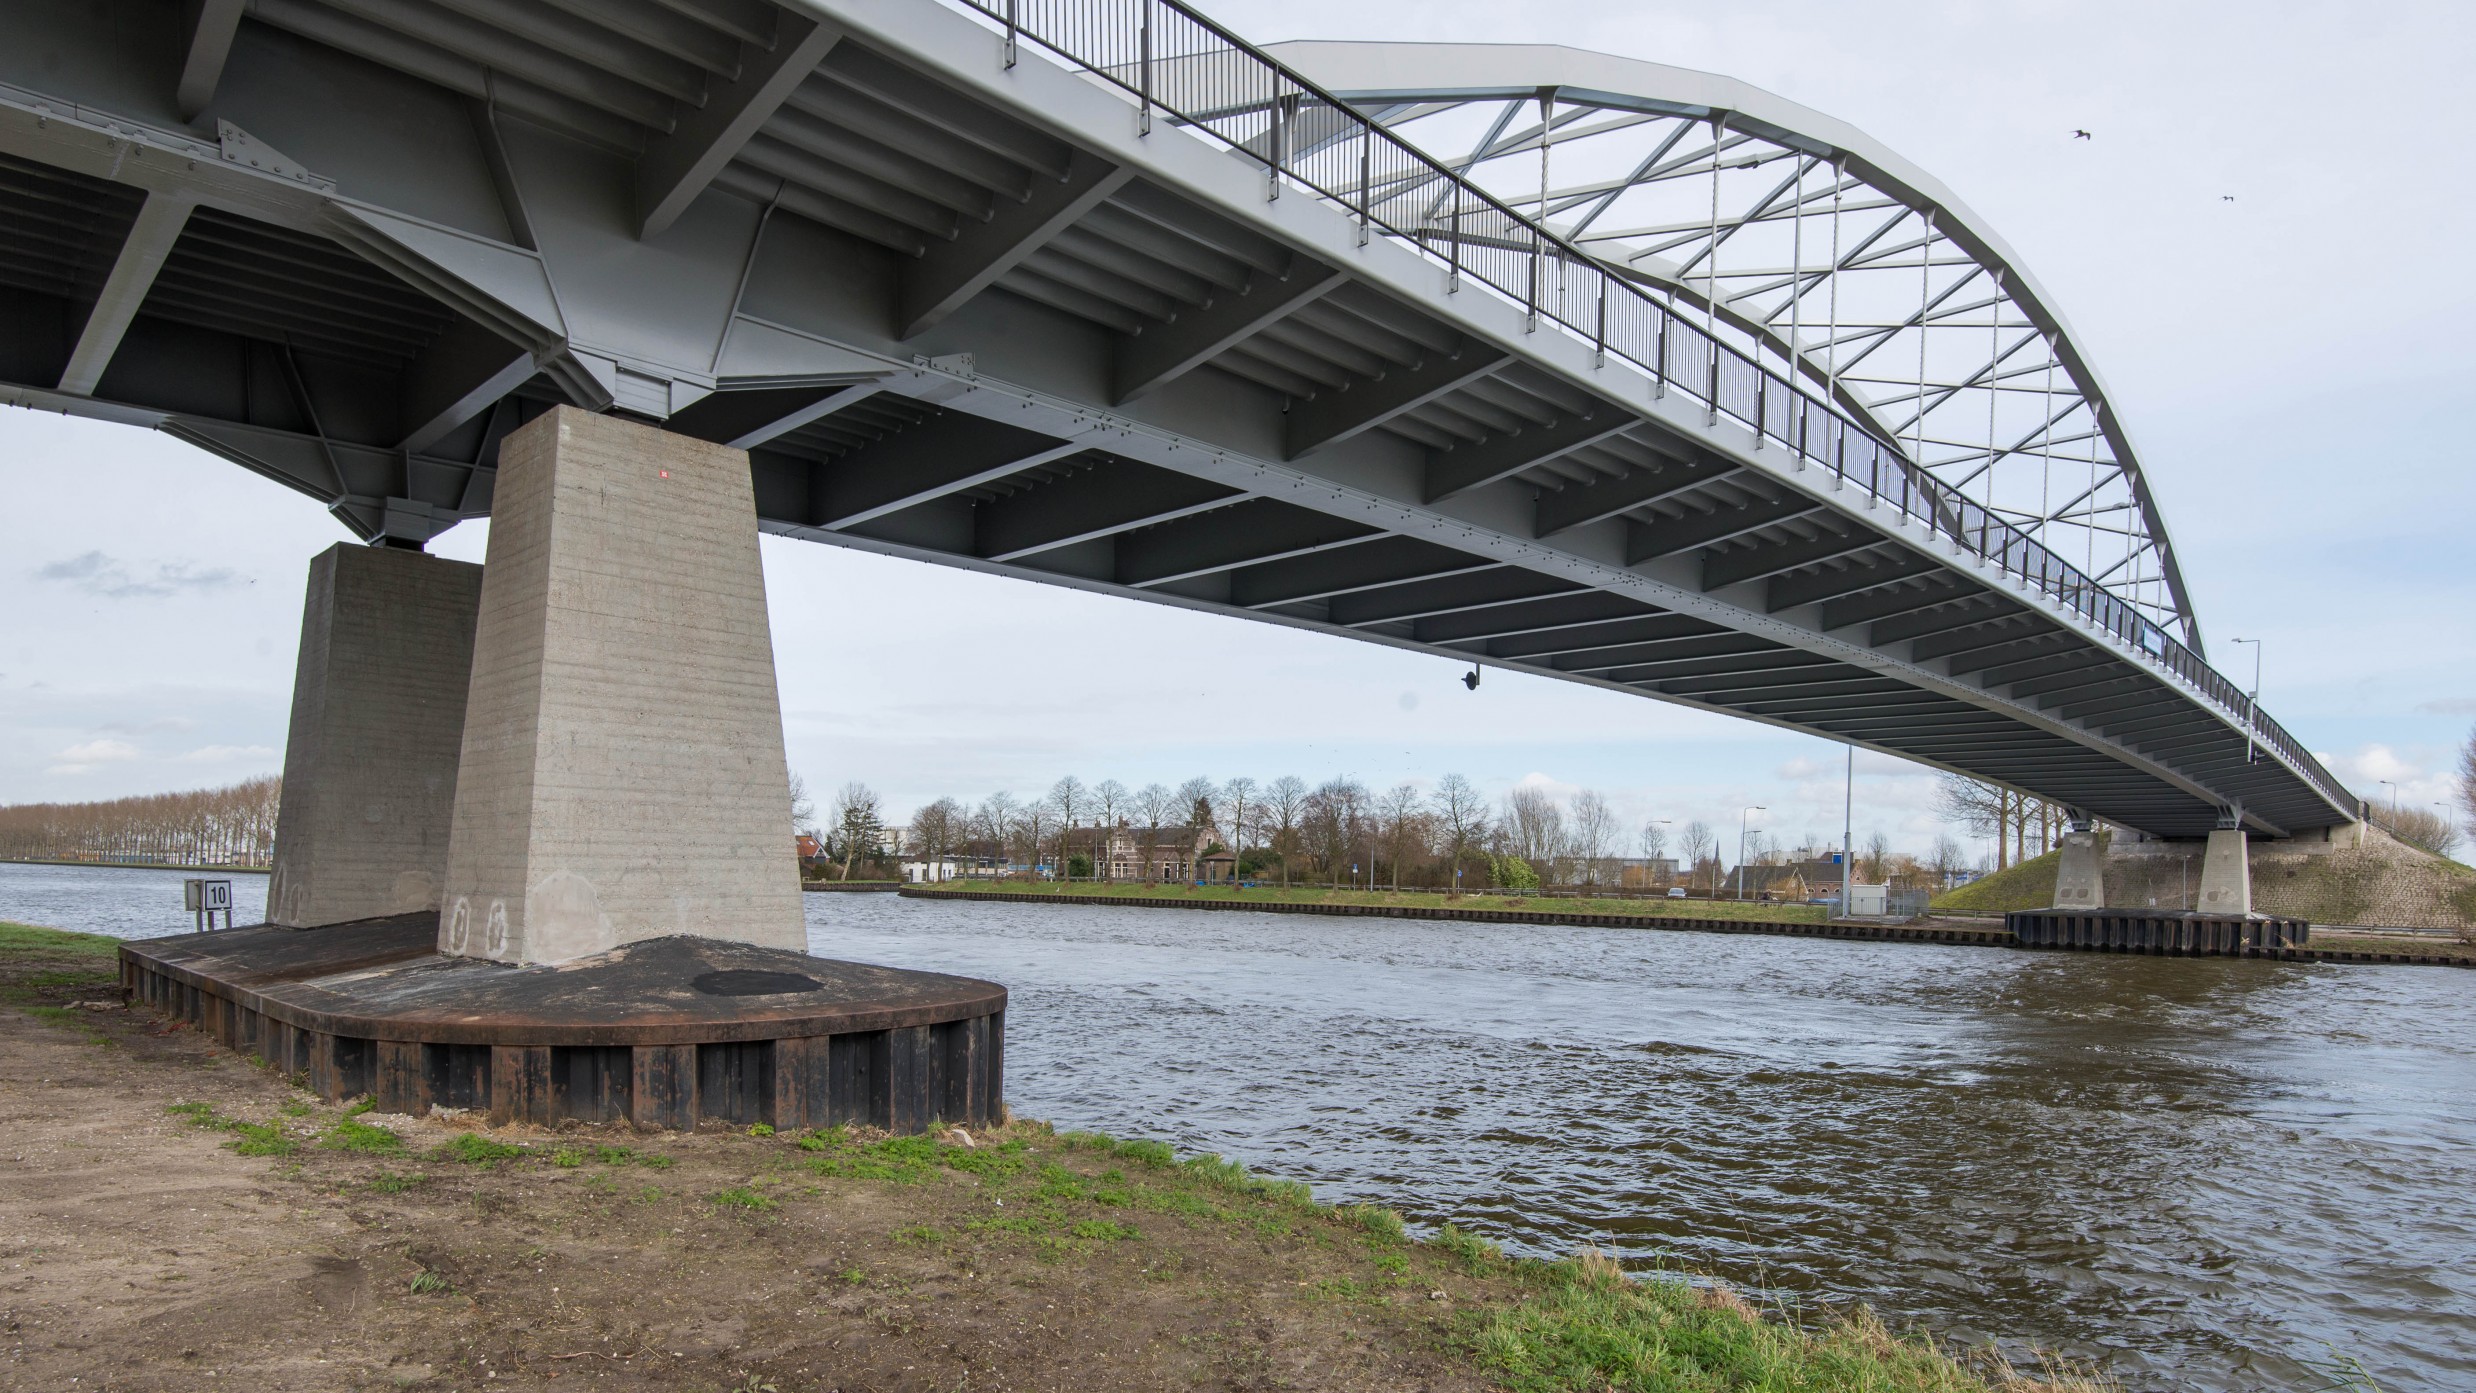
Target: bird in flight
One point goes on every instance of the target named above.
(2080, 135)
(2226, 198)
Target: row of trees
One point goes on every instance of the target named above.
(229, 826)
(1449, 836)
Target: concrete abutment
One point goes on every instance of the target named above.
(376, 732)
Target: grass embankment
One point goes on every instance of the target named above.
(1510, 906)
(178, 1213)
(2029, 885)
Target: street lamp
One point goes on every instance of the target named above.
(2252, 703)
(1744, 819)
(2394, 801)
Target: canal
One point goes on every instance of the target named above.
(2206, 1174)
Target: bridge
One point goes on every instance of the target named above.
(1540, 359)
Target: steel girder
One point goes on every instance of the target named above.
(978, 313)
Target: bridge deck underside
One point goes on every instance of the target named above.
(951, 225)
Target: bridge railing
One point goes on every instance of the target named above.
(1176, 62)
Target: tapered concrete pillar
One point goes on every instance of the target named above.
(2080, 875)
(2226, 874)
(623, 773)
(377, 725)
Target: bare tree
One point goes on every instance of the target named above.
(1463, 815)
(1701, 846)
(1195, 804)
(1068, 798)
(1594, 836)
(1031, 824)
(1948, 859)
(1654, 839)
(2426, 829)
(1110, 798)
(1238, 805)
(2467, 776)
(1878, 857)
(1156, 805)
(803, 807)
(1285, 801)
(995, 821)
(857, 820)
(1533, 829)
(934, 831)
(1402, 812)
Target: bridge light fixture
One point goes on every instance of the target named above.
(1470, 679)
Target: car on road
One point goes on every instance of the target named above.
(1676, 892)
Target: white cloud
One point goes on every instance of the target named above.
(77, 759)
(100, 574)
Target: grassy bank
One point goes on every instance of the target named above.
(180, 1215)
(1512, 906)
(2028, 885)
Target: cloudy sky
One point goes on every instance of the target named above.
(2291, 363)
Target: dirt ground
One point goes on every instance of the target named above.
(140, 1248)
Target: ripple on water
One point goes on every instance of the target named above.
(2204, 1172)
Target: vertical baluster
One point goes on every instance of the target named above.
(1010, 29)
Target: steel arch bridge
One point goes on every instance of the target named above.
(1094, 293)
(1809, 246)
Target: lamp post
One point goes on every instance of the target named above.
(1744, 820)
(2252, 703)
(2394, 801)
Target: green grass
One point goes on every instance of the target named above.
(26, 939)
(2028, 885)
(390, 1183)
(473, 1149)
(262, 1139)
(741, 1197)
(1512, 908)
(1588, 1328)
(354, 1135)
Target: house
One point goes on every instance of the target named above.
(1217, 868)
(810, 849)
(921, 870)
(1822, 875)
(1647, 873)
(1786, 883)
(1140, 853)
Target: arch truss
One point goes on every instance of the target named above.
(1798, 240)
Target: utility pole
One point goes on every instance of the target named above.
(1744, 819)
(2252, 703)
(1848, 832)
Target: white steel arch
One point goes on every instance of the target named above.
(1798, 238)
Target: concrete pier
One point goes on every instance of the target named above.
(377, 725)
(2226, 874)
(2080, 875)
(622, 774)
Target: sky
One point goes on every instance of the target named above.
(2287, 363)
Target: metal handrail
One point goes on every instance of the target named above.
(1171, 58)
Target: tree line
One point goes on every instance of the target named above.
(229, 826)
(1449, 836)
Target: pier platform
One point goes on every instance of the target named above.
(663, 1033)
(2154, 931)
